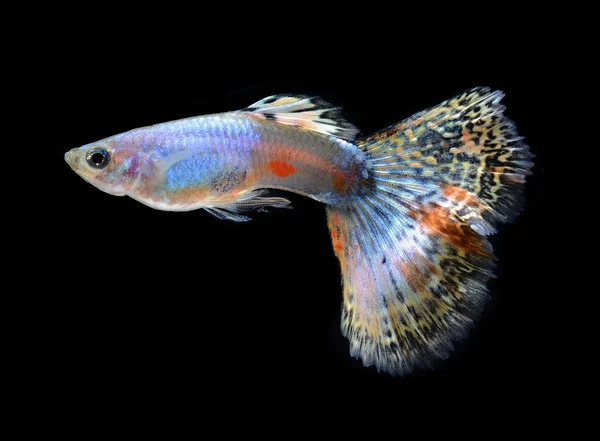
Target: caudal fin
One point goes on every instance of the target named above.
(412, 246)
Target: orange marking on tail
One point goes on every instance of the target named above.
(472, 148)
(439, 221)
(418, 272)
(282, 168)
(338, 241)
(412, 277)
(459, 194)
(337, 236)
(469, 147)
(409, 134)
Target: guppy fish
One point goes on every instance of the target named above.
(408, 208)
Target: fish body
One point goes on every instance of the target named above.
(213, 161)
(408, 208)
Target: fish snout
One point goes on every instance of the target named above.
(73, 159)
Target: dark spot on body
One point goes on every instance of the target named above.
(228, 179)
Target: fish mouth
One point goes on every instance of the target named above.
(68, 157)
(72, 159)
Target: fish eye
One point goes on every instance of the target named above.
(98, 158)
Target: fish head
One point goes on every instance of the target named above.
(106, 165)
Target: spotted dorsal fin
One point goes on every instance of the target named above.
(308, 113)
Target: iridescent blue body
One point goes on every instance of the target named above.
(199, 162)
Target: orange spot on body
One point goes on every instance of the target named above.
(282, 168)
(339, 182)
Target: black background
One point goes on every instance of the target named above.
(153, 300)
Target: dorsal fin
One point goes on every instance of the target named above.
(302, 111)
